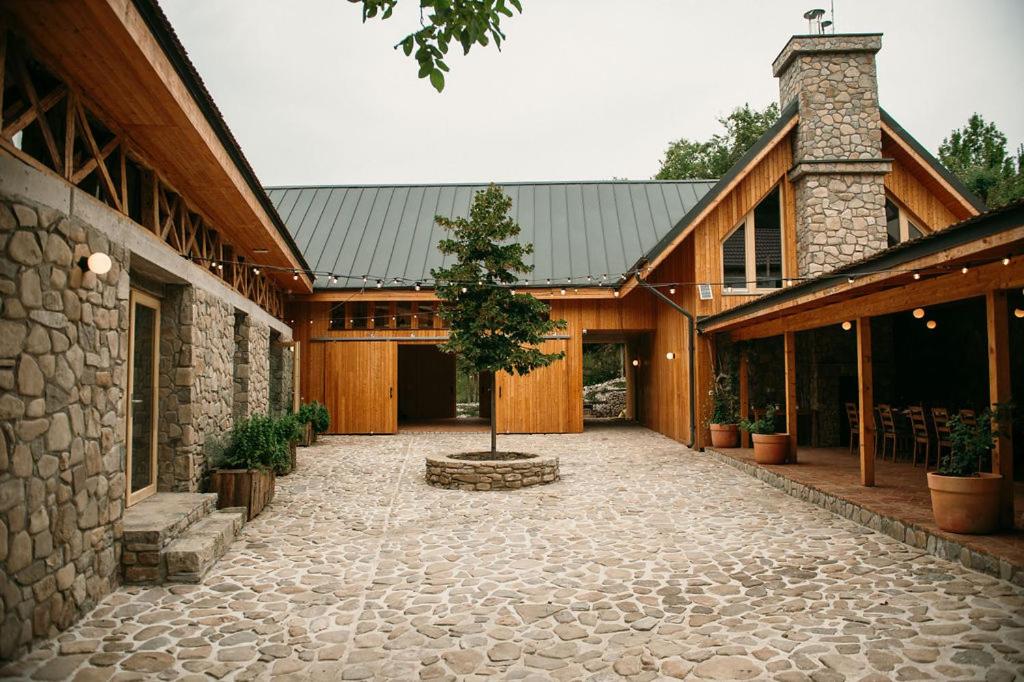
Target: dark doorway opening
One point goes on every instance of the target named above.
(434, 393)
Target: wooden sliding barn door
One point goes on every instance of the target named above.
(545, 400)
(360, 386)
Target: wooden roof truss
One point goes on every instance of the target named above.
(50, 125)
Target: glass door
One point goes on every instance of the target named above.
(143, 372)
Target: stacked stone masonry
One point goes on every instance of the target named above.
(251, 367)
(456, 474)
(63, 348)
(838, 166)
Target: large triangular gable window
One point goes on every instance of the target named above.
(752, 252)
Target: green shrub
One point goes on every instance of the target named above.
(724, 400)
(289, 428)
(256, 443)
(971, 444)
(764, 425)
(305, 413)
(321, 417)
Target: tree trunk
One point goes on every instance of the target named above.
(494, 418)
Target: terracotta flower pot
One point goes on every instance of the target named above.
(966, 504)
(725, 435)
(770, 448)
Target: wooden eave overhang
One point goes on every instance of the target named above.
(583, 293)
(884, 283)
(125, 59)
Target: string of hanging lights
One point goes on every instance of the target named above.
(576, 282)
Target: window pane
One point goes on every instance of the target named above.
(768, 242)
(912, 231)
(381, 315)
(403, 314)
(357, 314)
(892, 221)
(425, 316)
(734, 259)
(338, 316)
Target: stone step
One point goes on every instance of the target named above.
(192, 554)
(152, 525)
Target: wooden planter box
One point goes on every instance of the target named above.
(249, 488)
(308, 436)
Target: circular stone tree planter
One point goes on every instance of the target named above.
(487, 471)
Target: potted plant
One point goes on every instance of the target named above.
(245, 474)
(305, 417)
(321, 418)
(964, 498)
(291, 431)
(769, 447)
(725, 429)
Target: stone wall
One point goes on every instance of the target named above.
(279, 367)
(251, 367)
(196, 386)
(460, 474)
(63, 349)
(838, 168)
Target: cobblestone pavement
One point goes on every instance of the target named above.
(647, 561)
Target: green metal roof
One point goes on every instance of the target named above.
(578, 229)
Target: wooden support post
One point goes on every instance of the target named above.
(628, 355)
(744, 381)
(999, 393)
(296, 374)
(789, 351)
(866, 402)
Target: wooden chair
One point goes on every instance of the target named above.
(888, 428)
(919, 427)
(853, 416)
(940, 420)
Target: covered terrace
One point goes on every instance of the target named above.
(937, 322)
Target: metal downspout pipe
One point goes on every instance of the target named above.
(692, 334)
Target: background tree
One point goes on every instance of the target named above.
(687, 159)
(977, 155)
(442, 22)
(491, 328)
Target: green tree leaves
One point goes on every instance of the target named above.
(977, 155)
(692, 159)
(492, 328)
(469, 22)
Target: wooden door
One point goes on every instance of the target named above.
(543, 401)
(360, 380)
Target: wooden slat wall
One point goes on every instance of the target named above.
(542, 401)
(360, 386)
(913, 193)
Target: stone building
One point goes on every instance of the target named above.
(132, 333)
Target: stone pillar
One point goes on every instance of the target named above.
(838, 168)
(196, 385)
(280, 370)
(63, 374)
(251, 367)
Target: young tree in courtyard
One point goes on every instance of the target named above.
(492, 329)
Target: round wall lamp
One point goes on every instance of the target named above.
(98, 262)
(847, 326)
(1018, 313)
(670, 355)
(636, 363)
(918, 313)
(931, 324)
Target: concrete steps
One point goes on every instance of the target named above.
(176, 537)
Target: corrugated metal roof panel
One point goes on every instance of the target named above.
(388, 231)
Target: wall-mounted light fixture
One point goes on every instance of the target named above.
(636, 363)
(1018, 313)
(847, 326)
(670, 355)
(931, 324)
(98, 262)
(918, 313)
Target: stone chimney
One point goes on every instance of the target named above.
(837, 151)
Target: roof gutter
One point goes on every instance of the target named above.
(690, 353)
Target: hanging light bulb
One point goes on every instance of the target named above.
(255, 271)
(918, 313)
(563, 291)
(616, 293)
(1018, 313)
(964, 269)
(379, 284)
(1006, 261)
(364, 279)
(295, 274)
(334, 279)
(636, 363)
(931, 324)
(464, 290)
(917, 275)
(849, 280)
(548, 282)
(672, 290)
(847, 326)
(417, 286)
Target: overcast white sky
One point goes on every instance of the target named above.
(582, 90)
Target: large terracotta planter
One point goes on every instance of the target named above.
(770, 448)
(725, 435)
(966, 504)
(249, 488)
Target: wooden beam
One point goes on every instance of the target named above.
(789, 351)
(744, 381)
(40, 113)
(866, 402)
(902, 294)
(998, 316)
(90, 141)
(935, 175)
(69, 134)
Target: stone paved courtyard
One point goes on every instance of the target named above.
(647, 561)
